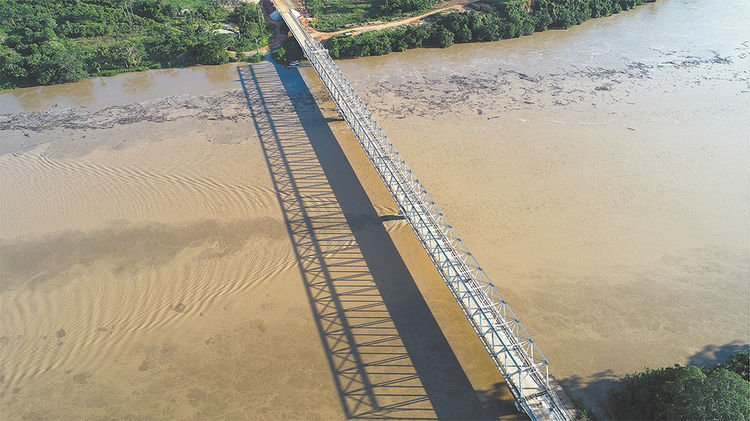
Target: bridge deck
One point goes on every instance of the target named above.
(515, 354)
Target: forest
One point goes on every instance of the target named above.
(492, 21)
(45, 42)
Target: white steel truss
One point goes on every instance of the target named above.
(515, 354)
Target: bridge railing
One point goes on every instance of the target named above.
(516, 355)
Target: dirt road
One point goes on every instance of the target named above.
(458, 5)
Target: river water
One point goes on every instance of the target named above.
(600, 175)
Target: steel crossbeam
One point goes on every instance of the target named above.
(511, 348)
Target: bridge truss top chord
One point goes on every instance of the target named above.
(511, 348)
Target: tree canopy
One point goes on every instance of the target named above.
(686, 393)
(44, 41)
(495, 20)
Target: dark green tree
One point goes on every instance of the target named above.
(683, 393)
(249, 20)
(442, 37)
(738, 363)
(12, 65)
(210, 51)
(128, 54)
(279, 55)
(157, 10)
(380, 44)
(463, 34)
(55, 62)
(212, 11)
(289, 52)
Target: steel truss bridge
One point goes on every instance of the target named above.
(517, 357)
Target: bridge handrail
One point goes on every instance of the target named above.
(421, 211)
(450, 231)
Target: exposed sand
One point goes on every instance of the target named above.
(214, 257)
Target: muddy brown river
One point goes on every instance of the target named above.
(211, 243)
(600, 175)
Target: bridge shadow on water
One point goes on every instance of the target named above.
(388, 356)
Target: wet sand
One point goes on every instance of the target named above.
(215, 256)
(147, 272)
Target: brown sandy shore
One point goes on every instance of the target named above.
(219, 256)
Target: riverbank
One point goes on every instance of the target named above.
(43, 44)
(504, 20)
(71, 42)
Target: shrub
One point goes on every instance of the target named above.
(56, 62)
(256, 58)
(208, 52)
(442, 37)
(738, 363)
(288, 52)
(683, 393)
(279, 55)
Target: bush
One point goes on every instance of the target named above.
(738, 363)
(288, 52)
(56, 62)
(157, 10)
(683, 393)
(442, 37)
(211, 12)
(279, 56)
(249, 20)
(210, 52)
(463, 34)
(127, 54)
(315, 7)
(11, 65)
(256, 58)
(395, 7)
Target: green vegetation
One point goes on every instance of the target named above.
(288, 52)
(738, 363)
(496, 20)
(331, 15)
(583, 413)
(687, 393)
(52, 41)
(256, 58)
(254, 32)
